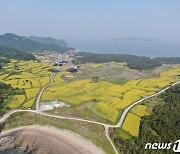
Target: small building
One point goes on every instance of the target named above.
(60, 63)
(53, 104)
(73, 69)
(55, 64)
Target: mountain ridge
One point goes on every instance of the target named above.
(24, 43)
(48, 40)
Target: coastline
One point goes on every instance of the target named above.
(61, 139)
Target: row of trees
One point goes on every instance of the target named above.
(3, 61)
(134, 62)
(6, 91)
(162, 126)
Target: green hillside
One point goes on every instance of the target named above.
(15, 54)
(49, 40)
(24, 43)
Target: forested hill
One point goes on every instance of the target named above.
(27, 44)
(15, 54)
(49, 40)
(5, 92)
(134, 62)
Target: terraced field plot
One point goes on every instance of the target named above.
(139, 110)
(28, 75)
(131, 124)
(132, 121)
(29, 103)
(105, 99)
(16, 101)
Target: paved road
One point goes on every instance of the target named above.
(135, 103)
(106, 126)
(41, 92)
(108, 137)
(76, 119)
(5, 116)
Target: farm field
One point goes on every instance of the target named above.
(29, 76)
(131, 124)
(16, 101)
(111, 72)
(98, 100)
(132, 121)
(105, 99)
(139, 110)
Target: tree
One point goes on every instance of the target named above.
(95, 79)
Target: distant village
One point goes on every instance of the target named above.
(64, 59)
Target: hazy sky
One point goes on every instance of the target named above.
(91, 19)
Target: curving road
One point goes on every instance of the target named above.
(41, 92)
(106, 126)
(119, 124)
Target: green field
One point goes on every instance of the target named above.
(112, 72)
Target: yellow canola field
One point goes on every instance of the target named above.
(102, 109)
(3, 76)
(132, 96)
(36, 82)
(19, 83)
(112, 97)
(16, 101)
(29, 103)
(139, 110)
(58, 78)
(44, 80)
(108, 96)
(131, 124)
(27, 75)
(132, 119)
(31, 93)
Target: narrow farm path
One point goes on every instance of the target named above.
(119, 124)
(106, 126)
(41, 92)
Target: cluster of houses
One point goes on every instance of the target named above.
(73, 69)
(61, 63)
(64, 59)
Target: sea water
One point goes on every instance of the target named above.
(140, 48)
